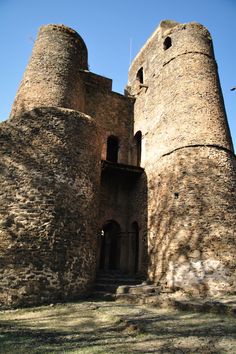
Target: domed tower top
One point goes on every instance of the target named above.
(65, 36)
(52, 77)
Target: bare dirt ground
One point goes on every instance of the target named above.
(111, 327)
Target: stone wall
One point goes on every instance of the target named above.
(192, 221)
(181, 102)
(121, 201)
(56, 209)
(138, 212)
(112, 111)
(188, 158)
(50, 176)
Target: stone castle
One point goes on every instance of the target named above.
(142, 183)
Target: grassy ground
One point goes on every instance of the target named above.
(109, 327)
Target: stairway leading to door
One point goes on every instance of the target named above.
(107, 284)
(111, 286)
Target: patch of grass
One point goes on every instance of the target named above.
(109, 327)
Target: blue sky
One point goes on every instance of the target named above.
(107, 28)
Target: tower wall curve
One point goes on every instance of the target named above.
(50, 180)
(189, 161)
(52, 77)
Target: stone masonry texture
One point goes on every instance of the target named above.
(49, 192)
(189, 161)
(171, 194)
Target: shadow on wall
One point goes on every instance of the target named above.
(49, 185)
(122, 241)
(138, 229)
(192, 214)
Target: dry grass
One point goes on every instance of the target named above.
(108, 327)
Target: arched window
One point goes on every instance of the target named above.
(139, 75)
(167, 43)
(112, 148)
(138, 147)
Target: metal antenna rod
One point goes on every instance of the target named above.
(130, 51)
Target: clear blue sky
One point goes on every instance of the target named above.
(107, 27)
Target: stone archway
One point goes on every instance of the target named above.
(110, 247)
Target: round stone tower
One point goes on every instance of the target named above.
(50, 179)
(52, 77)
(189, 160)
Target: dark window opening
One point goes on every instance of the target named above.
(167, 43)
(112, 148)
(138, 147)
(139, 76)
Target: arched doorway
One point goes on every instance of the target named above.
(135, 247)
(110, 246)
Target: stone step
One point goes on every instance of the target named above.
(138, 289)
(139, 299)
(106, 287)
(118, 281)
(114, 276)
(112, 283)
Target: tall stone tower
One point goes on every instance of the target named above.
(50, 178)
(188, 158)
(52, 77)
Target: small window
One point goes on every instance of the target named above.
(112, 148)
(167, 43)
(138, 147)
(139, 75)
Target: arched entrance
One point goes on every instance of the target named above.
(110, 246)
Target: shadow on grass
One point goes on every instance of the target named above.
(109, 328)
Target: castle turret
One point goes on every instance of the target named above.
(189, 161)
(52, 77)
(180, 98)
(50, 178)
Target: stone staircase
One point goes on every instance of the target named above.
(114, 286)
